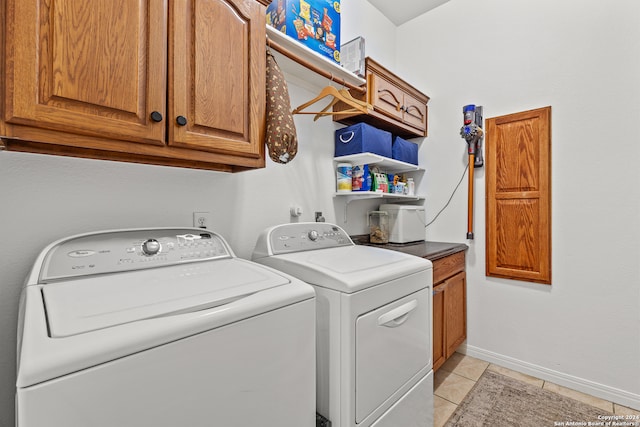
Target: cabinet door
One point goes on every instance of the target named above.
(415, 113)
(455, 308)
(438, 327)
(385, 97)
(217, 76)
(87, 67)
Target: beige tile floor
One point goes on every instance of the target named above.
(459, 373)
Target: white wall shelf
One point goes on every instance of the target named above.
(360, 195)
(302, 54)
(385, 163)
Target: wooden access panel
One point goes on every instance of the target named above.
(518, 196)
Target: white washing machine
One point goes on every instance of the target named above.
(374, 333)
(162, 327)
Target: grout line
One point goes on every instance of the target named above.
(444, 398)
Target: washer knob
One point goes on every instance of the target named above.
(151, 247)
(313, 235)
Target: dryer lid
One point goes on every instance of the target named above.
(348, 268)
(96, 302)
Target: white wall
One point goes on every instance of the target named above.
(44, 198)
(359, 18)
(583, 59)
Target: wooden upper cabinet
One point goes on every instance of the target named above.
(212, 73)
(178, 83)
(397, 106)
(392, 97)
(95, 68)
(518, 192)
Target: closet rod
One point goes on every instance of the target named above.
(274, 45)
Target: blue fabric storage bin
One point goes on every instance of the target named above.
(362, 138)
(404, 151)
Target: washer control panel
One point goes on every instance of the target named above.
(307, 236)
(117, 251)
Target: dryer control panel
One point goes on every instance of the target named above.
(306, 236)
(117, 251)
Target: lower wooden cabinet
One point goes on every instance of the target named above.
(449, 306)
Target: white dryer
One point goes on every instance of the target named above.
(374, 357)
(162, 327)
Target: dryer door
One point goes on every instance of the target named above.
(393, 344)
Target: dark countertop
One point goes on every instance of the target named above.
(430, 250)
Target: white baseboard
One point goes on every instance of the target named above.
(602, 391)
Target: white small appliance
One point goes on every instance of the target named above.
(374, 353)
(406, 223)
(162, 328)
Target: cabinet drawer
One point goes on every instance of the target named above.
(447, 267)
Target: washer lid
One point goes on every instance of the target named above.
(96, 302)
(348, 268)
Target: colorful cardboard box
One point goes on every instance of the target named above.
(314, 23)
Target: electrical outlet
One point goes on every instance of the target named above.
(202, 219)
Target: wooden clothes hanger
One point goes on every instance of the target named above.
(346, 94)
(341, 95)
